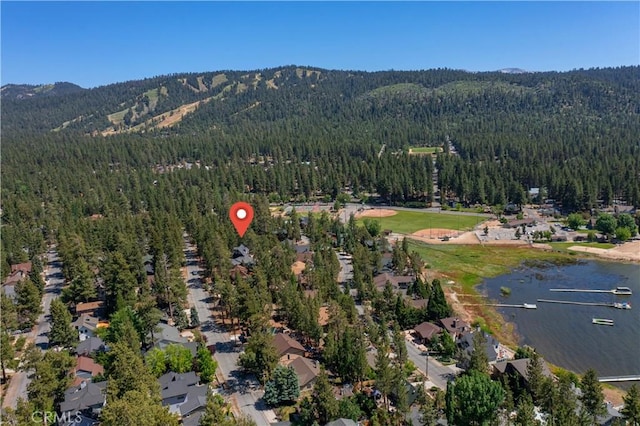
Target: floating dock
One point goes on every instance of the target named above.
(620, 291)
(602, 321)
(632, 378)
(568, 302)
(524, 305)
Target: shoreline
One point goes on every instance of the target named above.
(472, 306)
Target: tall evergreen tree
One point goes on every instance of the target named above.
(473, 399)
(479, 360)
(283, 387)
(631, 410)
(592, 398)
(62, 332)
(437, 307)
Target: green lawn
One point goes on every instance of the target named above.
(425, 149)
(469, 264)
(408, 222)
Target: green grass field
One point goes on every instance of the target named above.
(469, 264)
(425, 149)
(408, 222)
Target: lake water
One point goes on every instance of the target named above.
(564, 334)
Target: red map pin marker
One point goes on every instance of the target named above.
(241, 215)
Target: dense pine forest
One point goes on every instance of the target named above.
(298, 134)
(116, 174)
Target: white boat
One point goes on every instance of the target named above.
(623, 305)
(530, 306)
(602, 321)
(622, 291)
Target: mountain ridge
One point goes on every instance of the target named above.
(167, 101)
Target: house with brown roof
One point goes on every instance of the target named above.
(305, 257)
(418, 303)
(22, 267)
(86, 368)
(426, 331)
(517, 368)
(455, 326)
(90, 308)
(396, 281)
(286, 345)
(307, 371)
(19, 272)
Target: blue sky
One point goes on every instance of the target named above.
(92, 44)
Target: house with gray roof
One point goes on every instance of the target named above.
(86, 325)
(179, 389)
(88, 398)
(342, 422)
(165, 335)
(465, 342)
(91, 345)
(242, 256)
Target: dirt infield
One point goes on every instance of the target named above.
(435, 235)
(628, 251)
(376, 213)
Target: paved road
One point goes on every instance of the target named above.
(439, 374)
(346, 268)
(54, 281)
(243, 387)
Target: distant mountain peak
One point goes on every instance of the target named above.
(512, 71)
(26, 91)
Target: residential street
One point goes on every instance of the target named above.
(54, 282)
(438, 374)
(227, 352)
(346, 268)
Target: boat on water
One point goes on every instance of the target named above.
(622, 291)
(622, 305)
(602, 321)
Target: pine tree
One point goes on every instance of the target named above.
(7, 352)
(473, 399)
(326, 405)
(62, 332)
(535, 376)
(9, 317)
(525, 412)
(631, 410)
(592, 398)
(437, 306)
(479, 361)
(283, 387)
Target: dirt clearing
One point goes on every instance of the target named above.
(628, 251)
(376, 213)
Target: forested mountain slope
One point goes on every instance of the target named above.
(300, 133)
